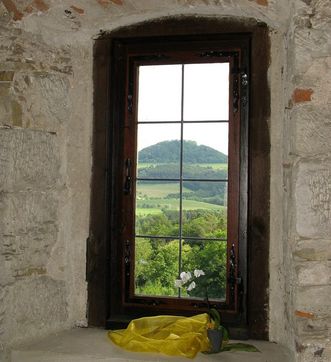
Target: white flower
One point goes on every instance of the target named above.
(198, 273)
(185, 277)
(178, 283)
(191, 286)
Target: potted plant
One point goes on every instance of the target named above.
(214, 328)
(215, 331)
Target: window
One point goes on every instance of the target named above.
(160, 104)
(178, 185)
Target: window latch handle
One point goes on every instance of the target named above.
(128, 178)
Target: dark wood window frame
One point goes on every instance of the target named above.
(104, 290)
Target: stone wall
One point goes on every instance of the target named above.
(45, 159)
(45, 156)
(308, 176)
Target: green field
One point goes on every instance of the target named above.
(161, 190)
(214, 166)
(151, 199)
(154, 206)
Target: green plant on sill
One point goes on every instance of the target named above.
(188, 281)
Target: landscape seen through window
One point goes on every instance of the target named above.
(181, 183)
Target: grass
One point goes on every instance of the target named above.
(155, 206)
(159, 190)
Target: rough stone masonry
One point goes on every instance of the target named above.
(45, 160)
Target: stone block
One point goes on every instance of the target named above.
(6, 275)
(314, 273)
(16, 114)
(46, 99)
(41, 5)
(34, 306)
(78, 10)
(322, 15)
(318, 77)
(12, 8)
(313, 199)
(313, 250)
(313, 299)
(309, 44)
(6, 76)
(28, 213)
(312, 350)
(4, 89)
(29, 160)
(318, 327)
(29, 230)
(302, 95)
(312, 129)
(5, 110)
(106, 3)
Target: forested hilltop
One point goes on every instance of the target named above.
(169, 152)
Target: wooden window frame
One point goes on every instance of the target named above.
(105, 285)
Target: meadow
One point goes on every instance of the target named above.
(152, 199)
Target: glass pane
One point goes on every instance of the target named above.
(205, 150)
(209, 256)
(157, 208)
(205, 209)
(206, 91)
(156, 267)
(159, 97)
(158, 150)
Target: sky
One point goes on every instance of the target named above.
(206, 97)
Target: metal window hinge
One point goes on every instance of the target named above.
(240, 83)
(130, 103)
(128, 178)
(244, 79)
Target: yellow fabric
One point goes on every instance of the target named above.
(171, 335)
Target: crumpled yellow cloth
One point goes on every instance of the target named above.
(171, 335)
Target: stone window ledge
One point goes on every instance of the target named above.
(89, 345)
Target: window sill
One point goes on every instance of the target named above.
(89, 344)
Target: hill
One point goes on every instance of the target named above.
(169, 151)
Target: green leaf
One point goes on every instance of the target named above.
(215, 316)
(225, 334)
(239, 347)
